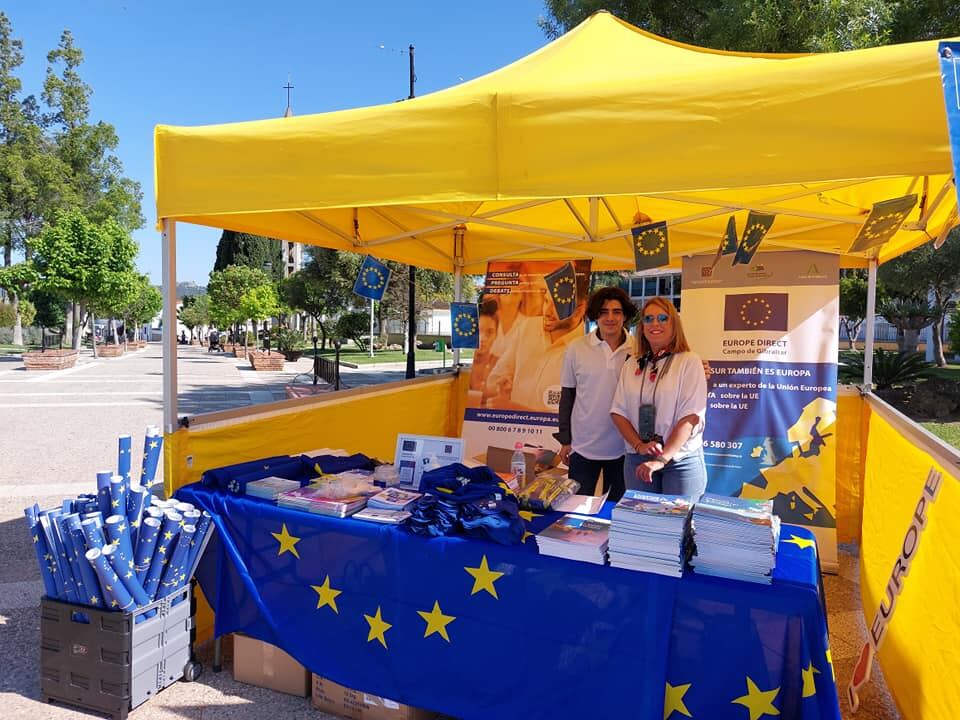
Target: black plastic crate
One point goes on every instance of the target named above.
(109, 663)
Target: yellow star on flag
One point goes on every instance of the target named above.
(436, 621)
(94, 600)
(36, 539)
(673, 700)
(378, 626)
(288, 543)
(168, 536)
(154, 444)
(328, 596)
(121, 527)
(484, 578)
(757, 701)
(809, 687)
(115, 503)
(526, 534)
(802, 543)
(529, 515)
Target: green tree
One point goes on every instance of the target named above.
(50, 309)
(15, 280)
(431, 286)
(354, 326)
(146, 303)
(24, 312)
(853, 302)
(255, 251)
(94, 173)
(195, 312)
(89, 264)
(259, 303)
(324, 287)
(226, 288)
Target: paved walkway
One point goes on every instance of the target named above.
(57, 430)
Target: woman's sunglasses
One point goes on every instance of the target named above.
(661, 318)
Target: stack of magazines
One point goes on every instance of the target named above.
(316, 499)
(735, 538)
(269, 488)
(650, 532)
(576, 537)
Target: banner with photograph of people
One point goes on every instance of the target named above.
(528, 313)
(770, 331)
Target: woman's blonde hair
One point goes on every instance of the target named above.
(679, 342)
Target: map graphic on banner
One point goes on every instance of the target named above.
(529, 312)
(770, 331)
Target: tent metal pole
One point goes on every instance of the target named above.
(871, 321)
(168, 251)
(458, 232)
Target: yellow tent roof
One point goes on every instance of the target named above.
(552, 155)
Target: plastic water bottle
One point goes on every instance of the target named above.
(518, 465)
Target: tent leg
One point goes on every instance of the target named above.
(458, 232)
(169, 253)
(871, 322)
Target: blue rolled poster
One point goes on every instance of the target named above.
(54, 520)
(75, 555)
(127, 579)
(203, 525)
(124, 457)
(40, 547)
(92, 593)
(152, 448)
(118, 496)
(175, 574)
(166, 542)
(103, 491)
(146, 544)
(114, 593)
(137, 499)
(93, 532)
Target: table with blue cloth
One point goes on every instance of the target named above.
(476, 629)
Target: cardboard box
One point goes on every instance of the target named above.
(261, 664)
(333, 698)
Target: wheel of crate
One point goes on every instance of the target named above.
(191, 671)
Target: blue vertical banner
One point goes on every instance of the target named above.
(950, 77)
(770, 331)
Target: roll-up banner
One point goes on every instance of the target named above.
(770, 331)
(528, 314)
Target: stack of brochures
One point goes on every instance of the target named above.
(735, 538)
(270, 487)
(316, 499)
(379, 515)
(650, 532)
(393, 499)
(576, 537)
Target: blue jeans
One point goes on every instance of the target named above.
(687, 476)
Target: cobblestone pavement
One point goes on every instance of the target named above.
(58, 429)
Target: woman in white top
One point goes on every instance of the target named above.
(660, 405)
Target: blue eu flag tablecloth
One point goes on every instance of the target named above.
(479, 630)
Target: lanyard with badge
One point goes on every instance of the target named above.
(647, 415)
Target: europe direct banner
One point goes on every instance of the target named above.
(528, 314)
(770, 331)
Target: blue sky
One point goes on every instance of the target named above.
(203, 62)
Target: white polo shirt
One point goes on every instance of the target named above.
(678, 391)
(593, 368)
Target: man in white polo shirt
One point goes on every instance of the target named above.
(591, 368)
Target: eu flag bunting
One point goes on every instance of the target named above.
(883, 222)
(728, 241)
(758, 225)
(372, 281)
(651, 246)
(466, 325)
(562, 286)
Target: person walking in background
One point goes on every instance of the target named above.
(591, 369)
(660, 405)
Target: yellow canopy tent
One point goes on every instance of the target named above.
(552, 155)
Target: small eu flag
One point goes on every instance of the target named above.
(562, 286)
(372, 280)
(758, 225)
(883, 222)
(651, 247)
(465, 319)
(728, 241)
